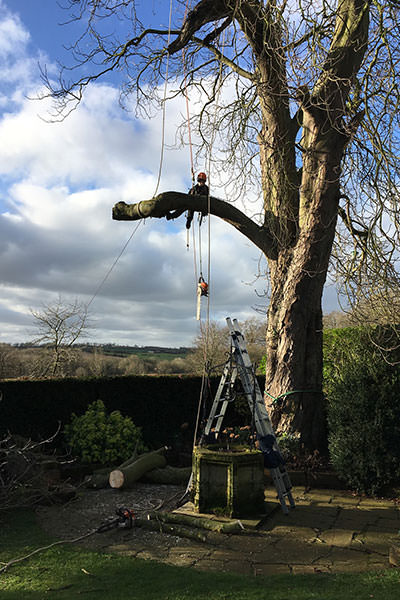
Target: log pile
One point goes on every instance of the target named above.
(150, 467)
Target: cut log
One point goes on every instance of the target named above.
(123, 478)
(198, 522)
(98, 479)
(169, 475)
(135, 455)
(177, 530)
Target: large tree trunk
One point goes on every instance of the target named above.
(294, 332)
(293, 387)
(300, 206)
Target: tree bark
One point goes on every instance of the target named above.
(123, 478)
(166, 202)
(169, 475)
(300, 205)
(210, 524)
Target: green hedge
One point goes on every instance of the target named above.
(363, 393)
(159, 405)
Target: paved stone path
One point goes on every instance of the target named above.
(329, 531)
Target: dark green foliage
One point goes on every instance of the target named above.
(96, 437)
(158, 405)
(363, 392)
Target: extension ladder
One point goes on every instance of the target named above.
(240, 364)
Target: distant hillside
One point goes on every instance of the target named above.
(157, 352)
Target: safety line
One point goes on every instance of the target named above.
(207, 331)
(187, 100)
(276, 399)
(159, 168)
(211, 144)
(113, 264)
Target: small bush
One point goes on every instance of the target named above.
(290, 446)
(363, 392)
(96, 437)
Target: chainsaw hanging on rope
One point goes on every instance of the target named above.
(202, 290)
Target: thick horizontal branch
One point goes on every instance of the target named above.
(203, 12)
(161, 205)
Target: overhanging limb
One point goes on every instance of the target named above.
(161, 205)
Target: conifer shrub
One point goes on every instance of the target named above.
(98, 437)
(363, 394)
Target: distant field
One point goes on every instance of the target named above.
(159, 355)
(142, 352)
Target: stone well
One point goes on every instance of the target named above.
(228, 482)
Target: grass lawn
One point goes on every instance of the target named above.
(67, 572)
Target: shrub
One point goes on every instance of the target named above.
(96, 437)
(363, 392)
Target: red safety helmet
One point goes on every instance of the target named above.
(201, 177)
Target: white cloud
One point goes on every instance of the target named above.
(58, 183)
(57, 235)
(13, 35)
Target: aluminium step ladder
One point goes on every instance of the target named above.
(240, 365)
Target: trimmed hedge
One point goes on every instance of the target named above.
(159, 405)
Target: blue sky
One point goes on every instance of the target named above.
(58, 183)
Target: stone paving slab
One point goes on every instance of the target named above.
(328, 532)
(336, 537)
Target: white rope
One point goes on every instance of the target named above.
(159, 168)
(207, 329)
(113, 264)
(210, 149)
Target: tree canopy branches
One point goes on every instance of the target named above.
(302, 102)
(334, 63)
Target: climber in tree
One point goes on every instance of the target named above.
(200, 189)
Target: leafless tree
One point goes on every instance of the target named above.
(337, 320)
(212, 345)
(58, 326)
(310, 115)
(10, 364)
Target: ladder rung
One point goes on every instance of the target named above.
(243, 368)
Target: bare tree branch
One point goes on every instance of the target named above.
(162, 204)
